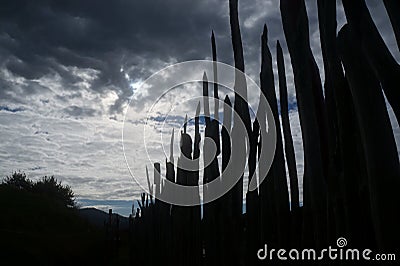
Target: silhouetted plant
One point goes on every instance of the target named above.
(349, 186)
(51, 187)
(18, 180)
(46, 186)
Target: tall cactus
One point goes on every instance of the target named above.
(333, 77)
(252, 201)
(393, 10)
(227, 198)
(215, 135)
(378, 55)
(278, 172)
(215, 71)
(225, 132)
(347, 181)
(206, 103)
(195, 211)
(289, 149)
(157, 180)
(295, 25)
(211, 172)
(352, 169)
(170, 174)
(197, 137)
(240, 87)
(149, 184)
(377, 138)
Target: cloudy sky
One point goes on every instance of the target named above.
(69, 68)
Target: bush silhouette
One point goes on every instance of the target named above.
(47, 186)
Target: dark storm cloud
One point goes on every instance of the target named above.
(38, 38)
(43, 37)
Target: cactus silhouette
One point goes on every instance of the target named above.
(351, 164)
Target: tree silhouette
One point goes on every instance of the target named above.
(47, 186)
(51, 187)
(18, 180)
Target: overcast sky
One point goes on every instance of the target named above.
(69, 68)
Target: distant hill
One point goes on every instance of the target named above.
(97, 218)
